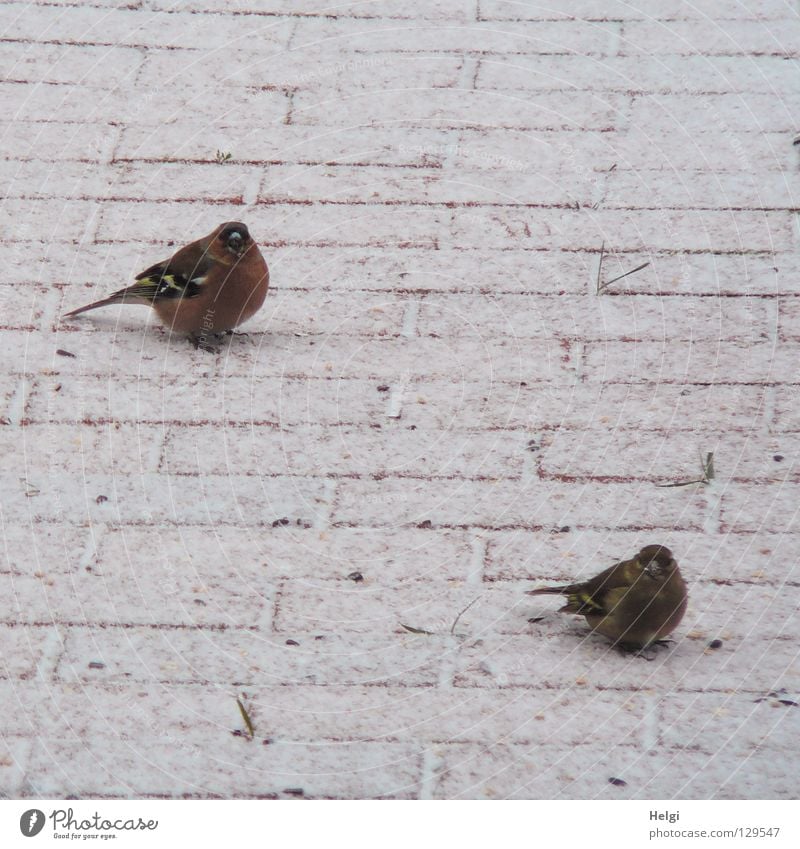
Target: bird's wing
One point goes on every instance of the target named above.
(181, 276)
(592, 596)
(178, 277)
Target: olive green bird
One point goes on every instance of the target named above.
(635, 603)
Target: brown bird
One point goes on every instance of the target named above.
(208, 287)
(635, 603)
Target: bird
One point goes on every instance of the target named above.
(636, 603)
(208, 287)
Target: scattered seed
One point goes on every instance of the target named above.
(292, 643)
(618, 782)
(62, 353)
(715, 644)
(626, 274)
(30, 489)
(356, 576)
(96, 664)
(416, 630)
(246, 717)
(706, 469)
(599, 288)
(455, 621)
(101, 499)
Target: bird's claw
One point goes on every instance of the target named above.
(201, 344)
(647, 652)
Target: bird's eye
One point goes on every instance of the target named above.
(235, 239)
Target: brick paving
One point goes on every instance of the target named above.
(435, 408)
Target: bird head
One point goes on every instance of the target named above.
(233, 238)
(656, 560)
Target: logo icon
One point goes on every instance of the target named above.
(31, 822)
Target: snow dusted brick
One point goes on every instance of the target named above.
(144, 27)
(147, 498)
(345, 451)
(544, 556)
(88, 142)
(640, 73)
(776, 36)
(501, 504)
(24, 648)
(314, 68)
(292, 551)
(671, 10)
(363, 145)
(342, 185)
(761, 508)
(551, 37)
(750, 188)
(46, 219)
(455, 10)
(440, 107)
(187, 767)
(591, 317)
(335, 517)
(696, 362)
(730, 112)
(236, 658)
(787, 413)
(525, 771)
(665, 458)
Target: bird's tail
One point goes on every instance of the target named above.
(578, 599)
(549, 591)
(121, 297)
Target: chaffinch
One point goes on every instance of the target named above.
(635, 603)
(208, 287)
